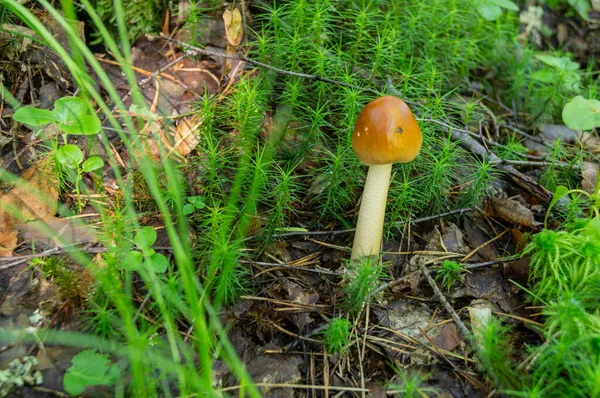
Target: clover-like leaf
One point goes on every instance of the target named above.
(159, 262)
(145, 238)
(188, 209)
(69, 155)
(85, 125)
(34, 116)
(197, 201)
(582, 114)
(89, 368)
(70, 109)
(91, 164)
(132, 261)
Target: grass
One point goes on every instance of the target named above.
(275, 153)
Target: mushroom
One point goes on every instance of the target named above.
(386, 132)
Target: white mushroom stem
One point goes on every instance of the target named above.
(367, 239)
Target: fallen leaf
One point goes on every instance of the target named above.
(453, 239)
(38, 198)
(186, 135)
(512, 211)
(589, 173)
(65, 231)
(233, 26)
(8, 236)
(407, 283)
(448, 338)
(275, 370)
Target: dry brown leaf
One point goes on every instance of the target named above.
(186, 135)
(37, 199)
(8, 236)
(589, 173)
(512, 211)
(233, 26)
(67, 230)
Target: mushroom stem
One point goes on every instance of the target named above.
(367, 239)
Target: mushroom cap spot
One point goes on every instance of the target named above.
(394, 136)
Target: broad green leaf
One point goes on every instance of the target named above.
(69, 155)
(70, 109)
(160, 263)
(492, 9)
(489, 12)
(582, 114)
(93, 163)
(509, 5)
(89, 368)
(592, 228)
(86, 125)
(145, 238)
(582, 7)
(188, 209)
(197, 201)
(34, 116)
(132, 261)
(560, 192)
(559, 63)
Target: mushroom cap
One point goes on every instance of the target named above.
(386, 131)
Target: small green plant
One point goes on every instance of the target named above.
(70, 114)
(71, 157)
(194, 203)
(74, 283)
(89, 368)
(558, 78)
(139, 16)
(449, 272)
(512, 148)
(337, 335)
(20, 372)
(496, 354)
(360, 282)
(410, 386)
(146, 257)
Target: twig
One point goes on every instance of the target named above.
(493, 262)
(459, 323)
(536, 163)
(302, 386)
(241, 57)
(468, 256)
(522, 133)
(519, 178)
(288, 266)
(309, 233)
(153, 75)
(436, 216)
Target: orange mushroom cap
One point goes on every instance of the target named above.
(386, 131)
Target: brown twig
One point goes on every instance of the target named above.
(192, 50)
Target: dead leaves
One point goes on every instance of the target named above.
(34, 197)
(511, 211)
(8, 236)
(233, 26)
